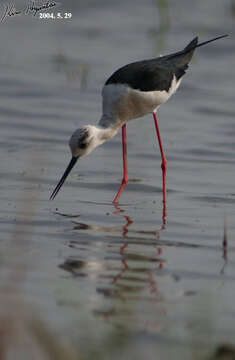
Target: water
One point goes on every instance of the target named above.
(100, 274)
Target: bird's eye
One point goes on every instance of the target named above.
(83, 140)
(83, 145)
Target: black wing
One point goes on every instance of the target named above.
(144, 75)
(154, 74)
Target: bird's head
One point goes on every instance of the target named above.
(82, 142)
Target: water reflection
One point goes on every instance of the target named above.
(122, 263)
(129, 273)
(123, 229)
(128, 262)
(74, 266)
(224, 247)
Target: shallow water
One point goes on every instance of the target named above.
(98, 272)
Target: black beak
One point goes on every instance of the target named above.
(62, 180)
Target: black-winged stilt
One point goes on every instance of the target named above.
(133, 91)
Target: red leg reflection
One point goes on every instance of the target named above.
(134, 240)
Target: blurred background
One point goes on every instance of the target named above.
(84, 278)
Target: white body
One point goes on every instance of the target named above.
(122, 103)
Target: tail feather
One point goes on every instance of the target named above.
(192, 45)
(182, 58)
(187, 54)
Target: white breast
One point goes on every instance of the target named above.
(121, 101)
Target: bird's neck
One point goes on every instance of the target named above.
(108, 127)
(101, 133)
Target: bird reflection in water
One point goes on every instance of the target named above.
(136, 267)
(150, 276)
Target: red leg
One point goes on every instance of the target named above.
(163, 166)
(125, 170)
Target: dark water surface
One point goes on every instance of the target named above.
(99, 273)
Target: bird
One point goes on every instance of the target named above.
(134, 90)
